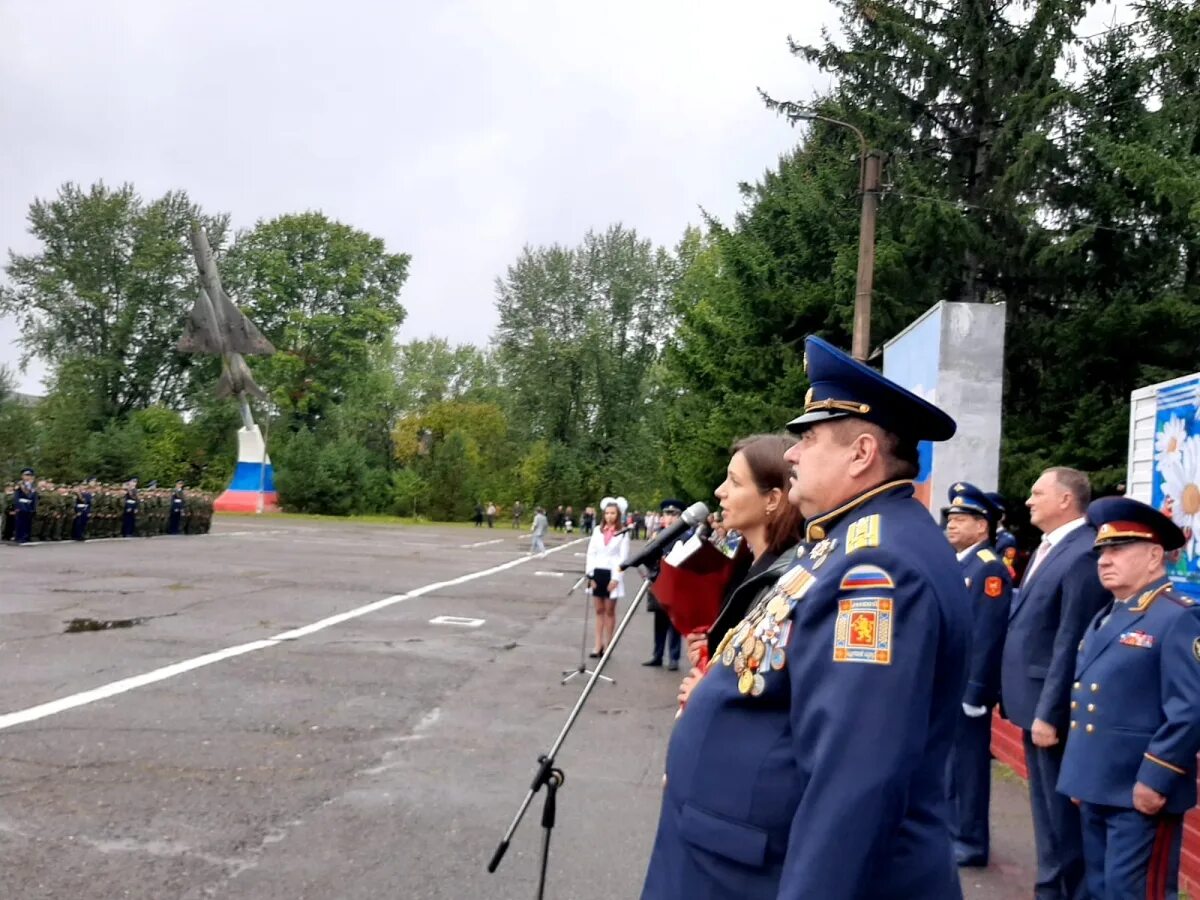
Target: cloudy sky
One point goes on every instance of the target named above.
(457, 130)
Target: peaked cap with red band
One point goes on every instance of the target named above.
(1120, 520)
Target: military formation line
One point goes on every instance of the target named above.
(44, 511)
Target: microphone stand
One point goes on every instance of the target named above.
(568, 674)
(547, 774)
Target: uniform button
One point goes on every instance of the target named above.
(1090, 728)
(1074, 724)
(1091, 707)
(1074, 704)
(1095, 687)
(664, 781)
(1077, 685)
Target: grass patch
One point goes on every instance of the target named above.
(498, 531)
(1004, 773)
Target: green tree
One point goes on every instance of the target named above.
(18, 439)
(580, 331)
(327, 295)
(107, 292)
(452, 482)
(431, 371)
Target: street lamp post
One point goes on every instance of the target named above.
(870, 170)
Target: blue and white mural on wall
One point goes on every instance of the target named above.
(1176, 487)
(911, 360)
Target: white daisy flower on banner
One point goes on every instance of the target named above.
(1168, 443)
(1181, 484)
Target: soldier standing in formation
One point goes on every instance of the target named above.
(178, 508)
(1130, 760)
(810, 760)
(25, 502)
(130, 509)
(84, 498)
(971, 520)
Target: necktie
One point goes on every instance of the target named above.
(1042, 550)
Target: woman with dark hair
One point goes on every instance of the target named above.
(754, 503)
(607, 549)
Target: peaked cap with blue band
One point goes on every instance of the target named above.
(966, 498)
(997, 501)
(672, 507)
(1120, 520)
(842, 386)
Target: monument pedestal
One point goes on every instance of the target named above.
(253, 486)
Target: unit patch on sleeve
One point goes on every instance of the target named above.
(993, 586)
(862, 578)
(863, 534)
(863, 631)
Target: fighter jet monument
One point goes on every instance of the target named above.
(217, 327)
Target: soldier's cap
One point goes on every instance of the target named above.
(27, 472)
(997, 501)
(1121, 520)
(968, 499)
(672, 507)
(842, 386)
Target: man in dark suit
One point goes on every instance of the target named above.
(1060, 593)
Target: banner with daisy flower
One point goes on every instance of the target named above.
(1176, 485)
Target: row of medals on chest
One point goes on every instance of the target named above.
(756, 645)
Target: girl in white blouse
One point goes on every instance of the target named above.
(607, 549)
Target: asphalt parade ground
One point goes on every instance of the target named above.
(271, 711)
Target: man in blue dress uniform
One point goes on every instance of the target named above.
(178, 504)
(810, 760)
(1059, 594)
(971, 519)
(1005, 543)
(84, 498)
(666, 638)
(25, 501)
(130, 509)
(1131, 750)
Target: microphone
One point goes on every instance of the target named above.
(691, 517)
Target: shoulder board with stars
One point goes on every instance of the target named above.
(863, 534)
(986, 555)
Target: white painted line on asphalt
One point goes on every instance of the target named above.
(463, 621)
(481, 544)
(549, 574)
(113, 688)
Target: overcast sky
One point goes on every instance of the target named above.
(458, 131)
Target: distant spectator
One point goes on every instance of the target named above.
(540, 526)
(491, 514)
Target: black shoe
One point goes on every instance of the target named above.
(596, 654)
(673, 666)
(970, 860)
(656, 661)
